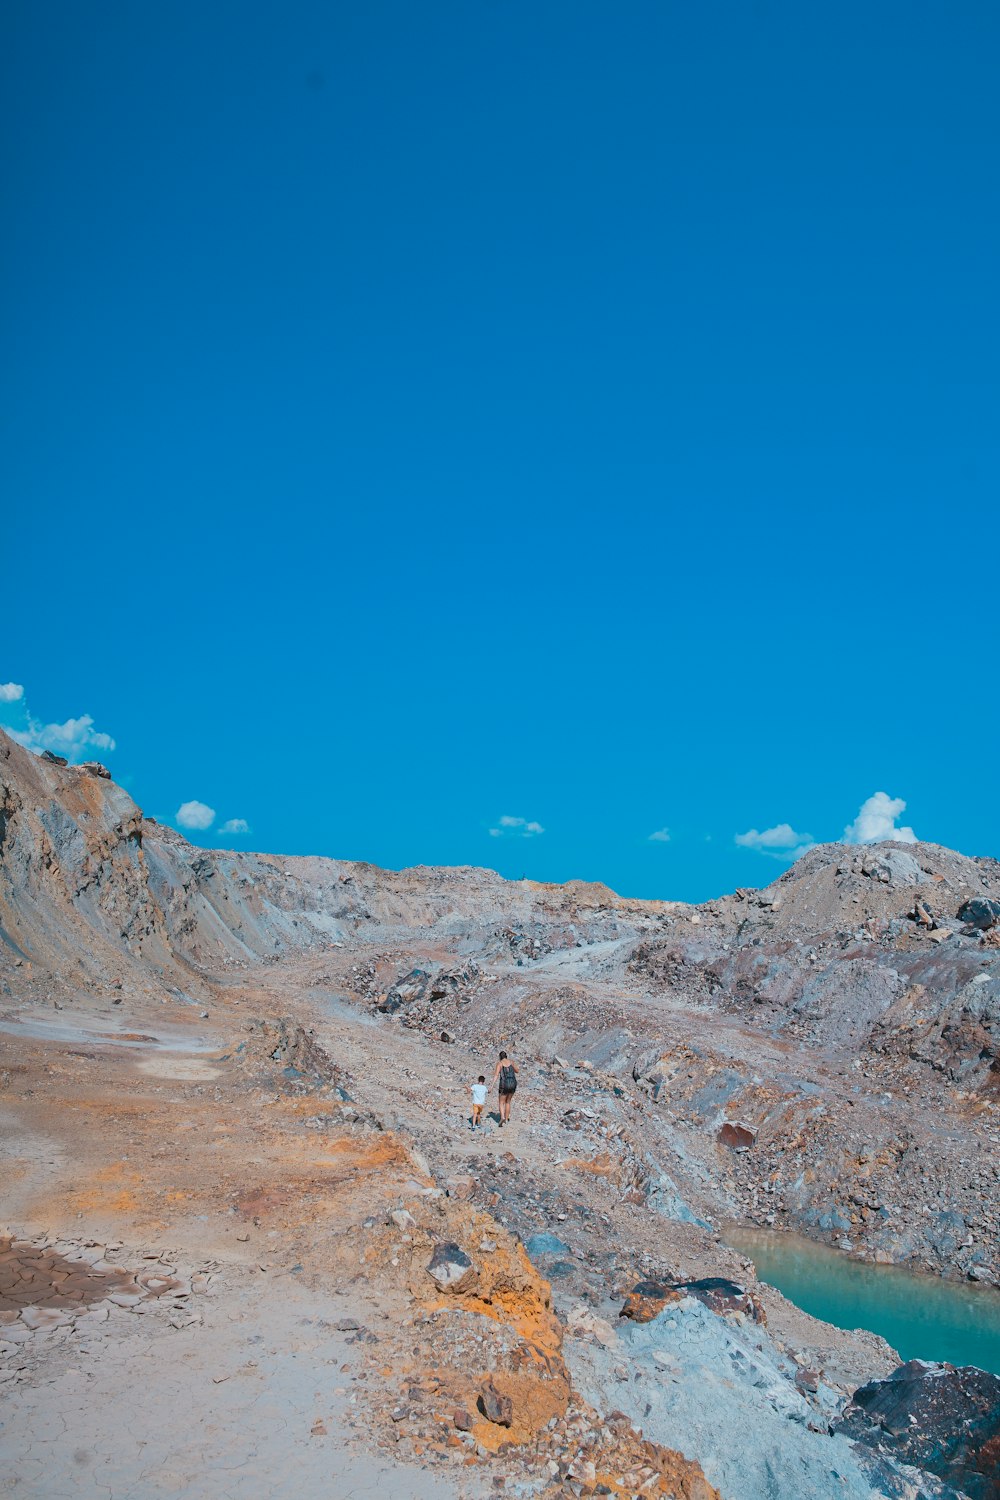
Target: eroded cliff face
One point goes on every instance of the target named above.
(74, 883)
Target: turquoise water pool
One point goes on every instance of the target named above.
(922, 1316)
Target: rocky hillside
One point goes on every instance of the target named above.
(891, 950)
(86, 881)
(268, 1060)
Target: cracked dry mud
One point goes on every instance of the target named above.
(232, 1142)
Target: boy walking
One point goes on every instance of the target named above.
(478, 1102)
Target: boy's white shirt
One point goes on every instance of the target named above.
(479, 1093)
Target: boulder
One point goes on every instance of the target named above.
(451, 1268)
(723, 1296)
(937, 1418)
(980, 912)
(583, 1323)
(94, 768)
(647, 1300)
(495, 1406)
(893, 866)
(545, 1244)
(736, 1137)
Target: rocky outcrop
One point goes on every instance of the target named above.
(451, 1269)
(648, 1299)
(720, 1387)
(935, 1417)
(74, 886)
(980, 913)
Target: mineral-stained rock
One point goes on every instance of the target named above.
(737, 1137)
(723, 1296)
(495, 1406)
(451, 1268)
(649, 1298)
(936, 1417)
(646, 1300)
(462, 1419)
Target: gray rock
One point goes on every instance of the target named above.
(495, 1406)
(730, 1401)
(980, 913)
(545, 1244)
(451, 1268)
(943, 1420)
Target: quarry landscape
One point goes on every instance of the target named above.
(250, 1245)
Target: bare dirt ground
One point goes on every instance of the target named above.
(262, 1201)
(251, 1160)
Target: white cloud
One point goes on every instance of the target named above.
(195, 815)
(11, 692)
(71, 739)
(780, 842)
(661, 836)
(235, 825)
(517, 828)
(876, 820)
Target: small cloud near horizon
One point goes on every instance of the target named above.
(876, 822)
(75, 739)
(195, 815)
(779, 842)
(235, 825)
(516, 828)
(661, 836)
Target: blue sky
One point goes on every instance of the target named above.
(416, 417)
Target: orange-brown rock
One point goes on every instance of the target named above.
(647, 1299)
(628, 1464)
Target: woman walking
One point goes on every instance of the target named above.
(505, 1076)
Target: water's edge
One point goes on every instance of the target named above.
(920, 1315)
